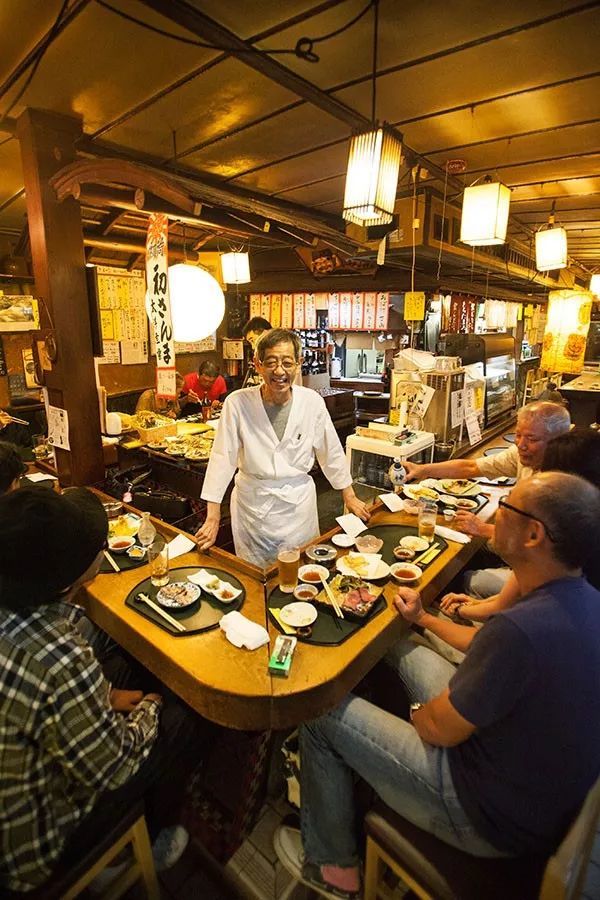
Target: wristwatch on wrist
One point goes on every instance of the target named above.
(414, 707)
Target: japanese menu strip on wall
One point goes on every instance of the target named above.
(123, 319)
(160, 307)
(346, 312)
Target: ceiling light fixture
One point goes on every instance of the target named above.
(550, 246)
(235, 267)
(595, 284)
(567, 326)
(373, 163)
(485, 213)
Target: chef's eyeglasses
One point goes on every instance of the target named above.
(502, 502)
(271, 362)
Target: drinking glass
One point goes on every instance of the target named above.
(158, 560)
(288, 559)
(427, 519)
(40, 447)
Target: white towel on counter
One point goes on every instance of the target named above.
(393, 502)
(449, 534)
(180, 545)
(241, 632)
(351, 524)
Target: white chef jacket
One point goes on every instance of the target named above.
(274, 499)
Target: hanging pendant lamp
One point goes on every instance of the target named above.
(565, 335)
(595, 284)
(485, 213)
(197, 302)
(551, 247)
(373, 164)
(235, 267)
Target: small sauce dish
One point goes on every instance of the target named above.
(306, 592)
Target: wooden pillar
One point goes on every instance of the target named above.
(47, 144)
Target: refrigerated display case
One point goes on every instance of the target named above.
(493, 357)
(370, 458)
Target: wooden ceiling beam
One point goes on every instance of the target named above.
(131, 246)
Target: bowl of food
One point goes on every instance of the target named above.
(405, 573)
(342, 540)
(313, 574)
(403, 554)
(178, 594)
(120, 543)
(465, 503)
(322, 554)
(306, 592)
(368, 543)
(411, 507)
(412, 542)
(136, 552)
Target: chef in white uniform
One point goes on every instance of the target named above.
(271, 434)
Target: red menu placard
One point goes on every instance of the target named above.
(310, 311)
(357, 311)
(382, 311)
(369, 310)
(334, 311)
(345, 311)
(298, 310)
(287, 311)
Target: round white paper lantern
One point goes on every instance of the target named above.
(197, 302)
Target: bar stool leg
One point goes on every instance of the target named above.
(142, 852)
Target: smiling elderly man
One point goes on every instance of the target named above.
(501, 752)
(271, 434)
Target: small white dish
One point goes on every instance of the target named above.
(120, 544)
(412, 542)
(342, 540)
(306, 591)
(226, 593)
(413, 573)
(298, 614)
(313, 573)
(178, 594)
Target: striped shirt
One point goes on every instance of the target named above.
(61, 743)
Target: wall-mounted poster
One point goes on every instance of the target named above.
(18, 312)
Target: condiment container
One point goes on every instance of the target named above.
(322, 554)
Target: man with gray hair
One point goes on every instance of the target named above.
(500, 753)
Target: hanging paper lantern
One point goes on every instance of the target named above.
(550, 249)
(595, 285)
(235, 268)
(567, 326)
(485, 214)
(197, 302)
(372, 177)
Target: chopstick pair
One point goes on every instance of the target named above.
(108, 557)
(176, 625)
(18, 421)
(426, 553)
(430, 554)
(332, 599)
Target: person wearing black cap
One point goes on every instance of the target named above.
(74, 750)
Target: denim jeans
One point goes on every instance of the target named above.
(410, 776)
(483, 583)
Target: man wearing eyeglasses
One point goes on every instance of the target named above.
(500, 753)
(271, 434)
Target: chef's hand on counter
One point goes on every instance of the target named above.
(469, 523)
(207, 534)
(354, 505)
(408, 603)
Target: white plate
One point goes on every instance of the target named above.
(133, 525)
(412, 491)
(413, 542)
(342, 540)
(455, 501)
(382, 571)
(298, 614)
(178, 594)
(211, 584)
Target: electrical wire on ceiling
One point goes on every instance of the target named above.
(304, 48)
(35, 64)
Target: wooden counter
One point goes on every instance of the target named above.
(232, 686)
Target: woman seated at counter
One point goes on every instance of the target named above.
(198, 387)
(150, 402)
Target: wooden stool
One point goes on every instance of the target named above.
(436, 871)
(70, 879)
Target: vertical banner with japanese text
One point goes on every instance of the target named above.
(160, 306)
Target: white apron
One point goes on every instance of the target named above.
(266, 513)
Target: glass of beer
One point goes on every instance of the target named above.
(158, 560)
(427, 519)
(288, 559)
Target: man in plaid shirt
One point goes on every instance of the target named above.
(65, 745)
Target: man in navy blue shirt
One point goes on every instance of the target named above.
(501, 752)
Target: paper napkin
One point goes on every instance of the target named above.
(241, 632)
(40, 476)
(180, 545)
(449, 534)
(351, 524)
(393, 502)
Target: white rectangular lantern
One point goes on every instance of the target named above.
(595, 284)
(235, 268)
(567, 326)
(372, 177)
(485, 214)
(550, 249)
